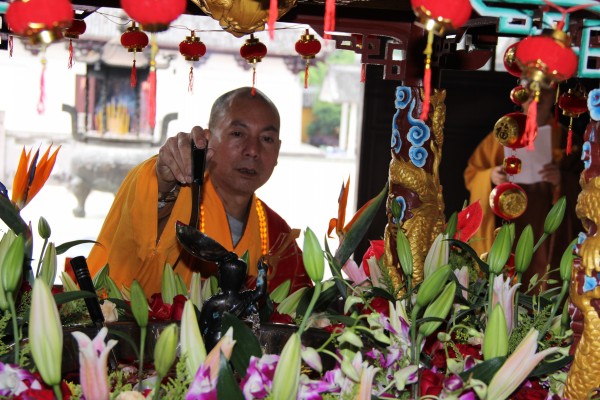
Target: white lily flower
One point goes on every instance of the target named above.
(517, 367)
(366, 382)
(462, 275)
(196, 290)
(438, 255)
(93, 359)
(504, 294)
(191, 341)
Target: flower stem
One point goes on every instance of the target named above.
(57, 392)
(15, 326)
(540, 241)
(142, 350)
(561, 296)
(414, 346)
(516, 316)
(309, 309)
(491, 292)
(156, 396)
(41, 258)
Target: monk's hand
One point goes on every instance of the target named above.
(551, 174)
(174, 163)
(498, 175)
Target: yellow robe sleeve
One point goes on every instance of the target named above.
(488, 154)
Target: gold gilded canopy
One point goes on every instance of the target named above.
(242, 17)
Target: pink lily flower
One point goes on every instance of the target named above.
(366, 382)
(504, 294)
(517, 367)
(93, 358)
(225, 345)
(462, 275)
(356, 274)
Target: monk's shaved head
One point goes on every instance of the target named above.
(223, 103)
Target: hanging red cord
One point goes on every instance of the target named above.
(273, 15)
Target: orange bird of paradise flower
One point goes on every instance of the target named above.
(31, 175)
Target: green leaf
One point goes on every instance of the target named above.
(242, 334)
(11, 217)
(124, 337)
(451, 225)
(484, 371)
(227, 387)
(465, 247)
(65, 297)
(67, 245)
(547, 368)
(359, 227)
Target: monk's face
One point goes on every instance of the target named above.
(246, 146)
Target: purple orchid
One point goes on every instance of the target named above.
(14, 380)
(258, 381)
(203, 387)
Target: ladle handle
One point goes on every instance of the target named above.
(82, 275)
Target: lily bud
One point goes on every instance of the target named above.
(112, 288)
(500, 250)
(287, 372)
(48, 269)
(350, 301)
(12, 270)
(524, 250)
(209, 288)
(451, 225)
(5, 244)
(68, 283)
(439, 308)
(180, 286)
(192, 345)
(437, 255)
(169, 284)
(396, 211)
(566, 262)
(281, 291)
(348, 368)
(555, 216)
(44, 228)
(166, 350)
(45, 334)
(404, 253)
(139, 304)
(312, 358)
(289, 304)
(196, 290)
(312, 255)
(495, 340)
(350, 337)
(431, 285)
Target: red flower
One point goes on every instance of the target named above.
(158, 309)
(530, 390)
(431, 383)
(376, 250)
(281, 318)
(469, 221)
(438, 356)
(177, 307)
(335, 328)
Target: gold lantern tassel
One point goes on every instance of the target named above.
(254, 77)
(427, 77)
(10, 45)
(152, 82)
(41, 106)
(191, 80)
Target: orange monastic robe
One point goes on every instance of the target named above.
(128, 238)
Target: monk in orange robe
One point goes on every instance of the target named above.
(242, 142)
(560, 177)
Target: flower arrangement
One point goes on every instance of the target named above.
(468, 331)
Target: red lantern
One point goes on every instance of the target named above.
(519, 95)
(573, 104)
(154, 15)
(192, 49)
(76, 29)
(509, 61)
(134, 40)
(509, 130)
(508, 201)
(308, 47)
(253, 51)
(436, 16)
(42, 21)
(512, 165)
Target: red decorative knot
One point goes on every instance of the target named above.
(133, 39)
(520, 95)
(512, 165)
(154, 15)
(253, 50)
(41, 21)
(192, 48)
(509, 61)
(76, 29)
(508, 201)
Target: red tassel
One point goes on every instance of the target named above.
(191, 80)
(570, 137)
(41, 107)
(152, 98)
(363, 73)
(531, 126)
(133, 76)
(273, 15)
(329, 21)
(427, 96)
(254, 78)
(10, 45)
(70, 64)
(306, 75)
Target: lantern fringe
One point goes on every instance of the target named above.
(569, 148)
(10, 46)
(306, 74)
(531, 126)
(329, 20)
(41, 106)
(133, 76)
(427, 77)
(363, 73)
(70, 64)
(152, 98)
(191, 80)
(273, 14)
(254, 79)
